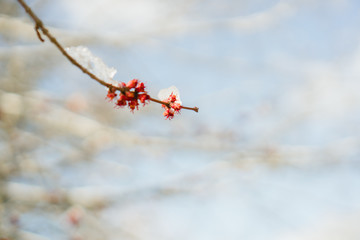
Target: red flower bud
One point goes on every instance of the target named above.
(176, 107)
(132, 83)
(121, 101)
(140, 87)
(143, 97)
(172, 98)
(130, 95)
(133, 104)
(169, 113)
(111, 95)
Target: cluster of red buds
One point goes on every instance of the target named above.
(172, 106)
(129, 94)
(133, 92)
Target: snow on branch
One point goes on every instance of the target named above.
(92, 63)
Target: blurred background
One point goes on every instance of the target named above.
(272, 154)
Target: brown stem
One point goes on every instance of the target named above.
(40, 26)
(196, 109)
(158, 101)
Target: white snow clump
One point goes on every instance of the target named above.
(92, 63)
(165, 93)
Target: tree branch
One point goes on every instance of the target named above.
(40, 26)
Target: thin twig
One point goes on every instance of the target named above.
(196, 109)
(38, 33)
(40, 26)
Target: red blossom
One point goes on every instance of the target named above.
(133, 104)
(143, 97)
(172, 98)
(172, 106)
(130, 94)
(176, 107)
(111, 95)
(140, 87)
(121, 102)
(169, 113)
(122, 84)
(132, 83)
